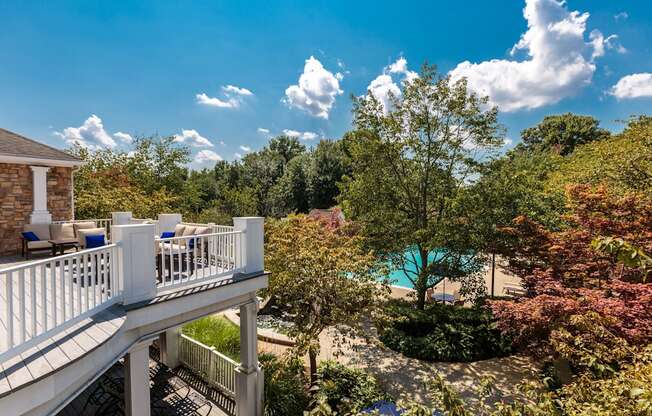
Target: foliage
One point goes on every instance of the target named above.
(409, 163)
(624, 253)
(562, 133)
(565, 276)
(217, 332)
(285, 381)
(321, 276)
(442, 333)
(344, 389)
(623, 162)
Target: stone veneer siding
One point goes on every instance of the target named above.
(16, 201)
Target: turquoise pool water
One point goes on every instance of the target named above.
(398, 277)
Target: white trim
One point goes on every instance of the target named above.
(25, 160)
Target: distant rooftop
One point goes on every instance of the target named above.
(15, 146)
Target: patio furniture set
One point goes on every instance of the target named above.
(59, 237)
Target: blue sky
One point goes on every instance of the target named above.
(216, 73)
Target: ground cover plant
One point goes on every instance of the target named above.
(217, 332)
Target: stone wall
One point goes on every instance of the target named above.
(16, 201)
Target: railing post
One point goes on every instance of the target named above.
(136, 265)
(167, 222)
(169, 341)
(120, 218)
(251, 246)
(247, 374)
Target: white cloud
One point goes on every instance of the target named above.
(245, 148)
(316, 90)
(91, 134)
(123, 137)
(207, 156)
(633, 86)
(621, 16)
(238, 156)
(600, 43)
(192, 137)
(263, 131)
(302, 135)
(559, 61)
(233, 97)
(383, 85)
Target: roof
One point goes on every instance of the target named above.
(15, 148)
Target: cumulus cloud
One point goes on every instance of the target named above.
(207, 156)
(193, 138)
(245, 148)
(316, 90)
(263, 130)
(633, 86)
(559, 62)
(90, 134)
(384, 86)
(621, 16)
(232, 97)
(301, 135)
(123, 137)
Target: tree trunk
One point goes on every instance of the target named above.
(493, 273)
(313, 366)
(421, 286)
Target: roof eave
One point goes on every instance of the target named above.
(24, 160)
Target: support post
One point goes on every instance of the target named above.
(169, 346)
(137, 268)
(248, 375)
(121, 218)
(167, 222)
(40, 213)
(251, 246)
(137, 400)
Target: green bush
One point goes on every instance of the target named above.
(217, 332)
(285, 386)
(442, 333)
(346, 390)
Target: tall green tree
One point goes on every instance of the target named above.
(410, 163)
(563, 132)
(330, 164)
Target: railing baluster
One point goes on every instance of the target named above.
(10, 309)
(71, 286)
(87, 267)
(63, 289)
(21, 304)
(32, 289)
(44, 299)
(79, 261)
(53, 288)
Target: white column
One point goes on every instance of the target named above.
(137, 268)
(167, 222)
(40, 212)
(168, 342)
(121, 218)
(137, 400)
(252, 242)
(248, 375)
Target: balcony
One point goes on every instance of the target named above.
(66, 319)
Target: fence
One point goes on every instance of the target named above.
(190, 259)
(216, 369)
(44, 297)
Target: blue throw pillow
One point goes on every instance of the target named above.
(93, 241)
(167, 234)
(30, 236)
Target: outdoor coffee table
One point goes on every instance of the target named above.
(63, 244)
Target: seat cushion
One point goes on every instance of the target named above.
(202, 230)
(178, 230)
(62, 231)
(83, 226)
(38, 244)
(188, 231)
(81, 234)
(42, 231)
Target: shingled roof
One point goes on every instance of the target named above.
(17, 148)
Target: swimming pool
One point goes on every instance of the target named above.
(398, 277)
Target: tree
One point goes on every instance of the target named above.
(563, 132)
(409, 164)
(321, 276)
(329, 165)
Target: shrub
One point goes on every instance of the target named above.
(217, 332)
(346, 390)
(285, 386)
(442, 333)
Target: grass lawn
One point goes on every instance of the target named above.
(218, 332)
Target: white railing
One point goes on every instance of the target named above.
(215, 228)
(187, 260)
(216, 369)
(44, 297)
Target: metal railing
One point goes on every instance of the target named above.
(216, 369)
(187, 260)
(41, 298)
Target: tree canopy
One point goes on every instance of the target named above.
(563, 132)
